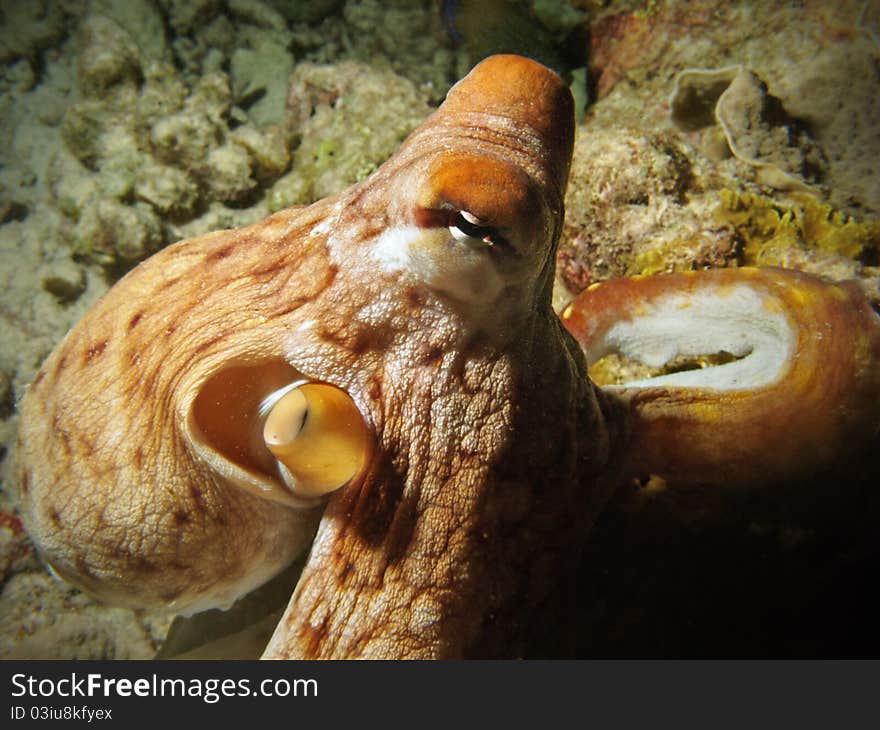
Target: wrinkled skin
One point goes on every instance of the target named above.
(492, 451)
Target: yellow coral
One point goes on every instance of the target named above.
(768, 228)
(662, 256)
(651, 261)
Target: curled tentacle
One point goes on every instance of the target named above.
(798, 389)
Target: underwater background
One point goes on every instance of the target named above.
(710, 135)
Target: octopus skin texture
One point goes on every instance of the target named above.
(416, 306)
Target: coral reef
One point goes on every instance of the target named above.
(632, 209)
(637, 204)
(29, 28)
(803, 234)
(812, 57)
(69, 622)
(347, 123)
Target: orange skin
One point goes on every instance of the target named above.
(492, 452)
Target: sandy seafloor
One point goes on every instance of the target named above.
(126, 125)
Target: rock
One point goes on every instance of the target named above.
(636, 204)
(839, 98)
(257, 13)
(267, 148)
(306, 11)
(829, 86)
(17, 77)
(756, 126)
(64, 280)
(70, 185)
(350, 117)
(122, 163)
(48, 620)
(81, 130)
(10, 209)
(7, 399)
(169, 190)
(259, 80)
(217, 217)
(109, 56)
(185, 139)
(761, 133)
(212, 96)
(110, 232)
(28, 27)
(16, 551)
(229, 178)
(290, 189)
(141, 235)
(185, 16)
(141, 20)
(163, 92)
(220, 35)
(695, 96)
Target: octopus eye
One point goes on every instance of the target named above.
(466, 227)
(318, 436)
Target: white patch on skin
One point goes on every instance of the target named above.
(327, 223)
(327, 228)
(392, 249)
(729, 319)
(463, 270)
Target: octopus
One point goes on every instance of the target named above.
(378, 381)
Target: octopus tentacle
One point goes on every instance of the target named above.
(798, 388)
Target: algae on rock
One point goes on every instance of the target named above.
(348, 118)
